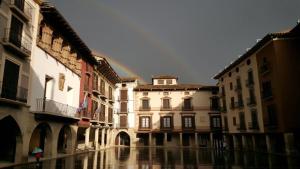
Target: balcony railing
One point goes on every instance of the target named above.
(241, 126)
(21, 8)
(215, 108)
(145, 108)
(239, 104)
(251, 101)
(249, 82)
(253, 125)
(264, 68)
(166, 108)
(187, 108)
(238, 87)
(267, 94)
(57, 108)
(14, 40)
(13, 93)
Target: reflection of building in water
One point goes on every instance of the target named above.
(258, 95)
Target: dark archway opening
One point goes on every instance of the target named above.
(64, 142)
(10, 137)
(41, 137)
(122, 139)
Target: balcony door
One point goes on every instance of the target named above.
(10, 80)
(15, 33)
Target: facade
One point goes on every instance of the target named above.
(173, 114)
(125, 112)
(258, 95)
(16, 43)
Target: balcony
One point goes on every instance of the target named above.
(253, 125)
(251, 101)
(9, 92)
(16, 42)
(223, 109)
(56, 108)
(264, 68)
(241, 126)
(103, 95)
(165, 108)
(96, 89)
(239, 104)
(145, 108)
(267, 94)
(187, 108)
(21, 8)
(215, 108)
(238, 87)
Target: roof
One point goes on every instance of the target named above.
(179, 87)
(164, 77)
(106, 70)
(51, 14)
(269, 37)
(128, 79)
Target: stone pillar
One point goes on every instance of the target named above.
(180, 139)
(244, 143)
(165, 139)
(87, 137)
(96, 139)
(196, 140)
(289, 143)
(102, 137)
(150, 139)
(269, 144)
(108, 138)
(253, 143)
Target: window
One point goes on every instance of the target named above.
(123, 121)
(110, 96)
(95, 82)
(15, 34)
(94, 108)
(216, 122)
(10, 81)
(160, 81)
(166, 122)
(272, 115)
(166, 103)
(230, 86)
(225, 123)
(123, 85)
(19, 4)
(102, 87)
(229, 74)
(250, 78)
(123, 94)
(223, 91)
(188, 122)
(145, 104)
(266, 89)
(169, 81)
(232, 102)
(248, 62)
(222, 79)
(254, 119)
(238, 83)
(102, 112)
(242, 121)
(234, 121)
(214, 103)
(169, 137)
(110, 115)
(237, 69)
(145, 122)
(123, 106)
(86, 83)
(187, 104)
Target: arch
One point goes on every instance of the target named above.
(122, 139)
(64, 141)
(11, 139)
(41, 137)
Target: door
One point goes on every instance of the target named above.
(10, 80)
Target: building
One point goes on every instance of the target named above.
(17, 19)
(259, 94)
(125, 112)
(173, 114)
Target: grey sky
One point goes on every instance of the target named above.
(192, 39)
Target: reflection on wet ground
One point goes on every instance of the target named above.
(168, 158)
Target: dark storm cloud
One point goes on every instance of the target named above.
(193, 39)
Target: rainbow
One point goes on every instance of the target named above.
(167, 50)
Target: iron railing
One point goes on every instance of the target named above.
(51, 106)
(253, 125)
(15, 37)
(251, 101)
(10, 92)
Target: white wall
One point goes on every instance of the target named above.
(43, 64)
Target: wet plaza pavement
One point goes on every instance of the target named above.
(168, 158)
